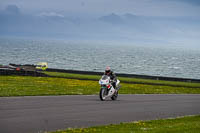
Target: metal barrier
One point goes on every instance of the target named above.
(36, 73)
(126, 75)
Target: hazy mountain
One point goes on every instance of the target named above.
(127, 27)
(112, 18)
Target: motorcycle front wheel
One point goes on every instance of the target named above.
(102, 94)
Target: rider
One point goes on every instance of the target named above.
(112, 76)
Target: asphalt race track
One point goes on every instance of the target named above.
(49, 113)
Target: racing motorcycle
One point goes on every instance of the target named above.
(107, 90)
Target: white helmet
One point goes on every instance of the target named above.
(107, 70)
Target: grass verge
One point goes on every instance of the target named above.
(126, 80)
(188, 124)
(33, 86)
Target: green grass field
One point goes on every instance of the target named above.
(189, 124)
(67, 84)
(126, 80)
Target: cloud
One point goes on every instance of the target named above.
(51, 14)
(103, 7)
(192, 2)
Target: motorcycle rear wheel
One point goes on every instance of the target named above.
(114, 97)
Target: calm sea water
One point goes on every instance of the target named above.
(95, 57)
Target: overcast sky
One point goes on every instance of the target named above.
(102, 7)
(166, 21)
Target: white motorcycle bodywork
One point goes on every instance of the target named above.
(107, 88)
